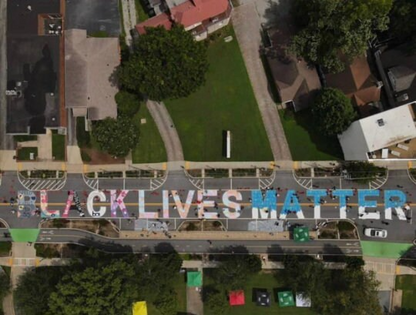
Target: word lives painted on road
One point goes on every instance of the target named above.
(262, 204)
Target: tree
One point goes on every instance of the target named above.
(363, 172)
(4, 286)
(34, 289)
(165, 64)
(217, 303)
(128, 104)
(234, 272)
(332, 112)
(116, 136)
(333, 29)
(110, 289)
(167, 302)
(403, 22)
(342, 292)
(157, 274)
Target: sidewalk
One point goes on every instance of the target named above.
(384, 269)
(209, 235)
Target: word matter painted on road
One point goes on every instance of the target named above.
(263, 204)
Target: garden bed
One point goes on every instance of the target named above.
(198, 225)
(101, 226)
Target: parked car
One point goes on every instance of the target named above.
(374, 232)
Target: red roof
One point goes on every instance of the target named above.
(187, 14)
(161, 19)
(237, 297)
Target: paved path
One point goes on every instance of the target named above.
(247, 28)
(20, 252)
(384, 269)
(6, 141)
(128, 9)
(167, 130)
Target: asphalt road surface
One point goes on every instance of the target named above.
(398, 231)
(331, 247)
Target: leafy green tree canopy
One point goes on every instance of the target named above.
(332, 112)
(34, 288)
(165, 64)
(403, 22)
(95, 291)
(343, 292)
(217, 303)
(128, 104)
(235, 270)
(329, 29)
(116, 136)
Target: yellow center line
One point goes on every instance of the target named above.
(192, 204)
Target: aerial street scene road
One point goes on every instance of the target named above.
(208, 157)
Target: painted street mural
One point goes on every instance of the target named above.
(213, 203)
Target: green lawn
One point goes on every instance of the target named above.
(140, 11)
(58, 147)
(5, 248)
(384, 249)
(305, 143)
(99, 34)
(264, 280)
(180, 288)
(408, 285)
(225, 102)
(23, 154)
(151, 148)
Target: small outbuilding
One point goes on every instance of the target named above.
(263, 298)
(194, 279)
(140, 308)
(236, 298)
(301, 234)
(285, 299)
(302, 300)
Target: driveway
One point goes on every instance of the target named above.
(247, 28)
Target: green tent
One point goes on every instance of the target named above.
(194, 279)
(301, 234)
(24, 235)
(285, 298)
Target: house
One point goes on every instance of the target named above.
(90, 64)
(94, 16)
(398, 68)
(293, 78)
(358, 84)
(200, 17)
(34, 90)
(387, 135)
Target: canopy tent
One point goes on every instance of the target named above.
(301, 234)
(237, 298)
(140, 308)
(24, 235)
(263, 298)
(285, 298)
(302, 300)
(194, 279)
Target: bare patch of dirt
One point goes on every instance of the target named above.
(101, 227)
(198, 225)
(99, 157)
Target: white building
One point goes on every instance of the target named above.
(387, 135)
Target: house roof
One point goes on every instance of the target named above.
(237, 298)
(293, 78)
(187, 14)
(400, 56)
(357, 82)
(367, 135)
(401, 78)
(89, 67)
